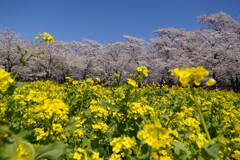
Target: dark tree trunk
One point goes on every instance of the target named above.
(233, 83)
(237, 84)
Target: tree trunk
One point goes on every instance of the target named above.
(237, 84)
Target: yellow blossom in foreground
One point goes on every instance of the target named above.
(211, 82)
(22, 153)
(199, 74)
(5, 79)
(187, 75)
(155, 135)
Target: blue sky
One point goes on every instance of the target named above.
(106, 20)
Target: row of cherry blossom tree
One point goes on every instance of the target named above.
(215, 46)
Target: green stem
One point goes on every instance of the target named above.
(21, 68)
(136, 97)
(202, 120)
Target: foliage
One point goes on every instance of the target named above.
(83, 119)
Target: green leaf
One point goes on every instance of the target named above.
(39, 53)
(19, 50)
(181, 150)
(145, 152)
(22, 61)
(8, 150)
(12, 88)
(114, 107)
(86, 143)
(24, 134)
(210, 151)
(18, 84)
(51, 151)
(144, 148)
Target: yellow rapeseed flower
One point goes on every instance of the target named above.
(116, 75)
(95, 156)
(155, 135)
(89, 81)
(211, 82)
(22, 152)
(97, 79)
(132, 83)
(121, 143)
(190, 75)
(5, 79)
(142, 70)
(115, 157)
(100, 126)
(46, 37)
(80, 154)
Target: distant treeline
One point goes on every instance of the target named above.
(215, 46)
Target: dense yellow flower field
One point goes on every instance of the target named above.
(82, 119)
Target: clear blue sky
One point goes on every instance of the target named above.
(106, 20)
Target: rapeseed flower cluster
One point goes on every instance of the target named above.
(46, 37)
(192, 75)
(122, 143)
(132, 83)
(5, 80)
(139, 110)
(127, 121)
(115, 157)
(142, 70)
(82, 154)
(100, 126)
(22, 153)
(156, 136)
(98, 110)
(161, 155)
(51, 109)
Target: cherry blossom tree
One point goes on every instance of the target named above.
(222, 47)
(215, 46)
(8, 49)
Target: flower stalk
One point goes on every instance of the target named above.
(45, 38)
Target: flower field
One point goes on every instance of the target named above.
(82, 119)
(85, 120)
